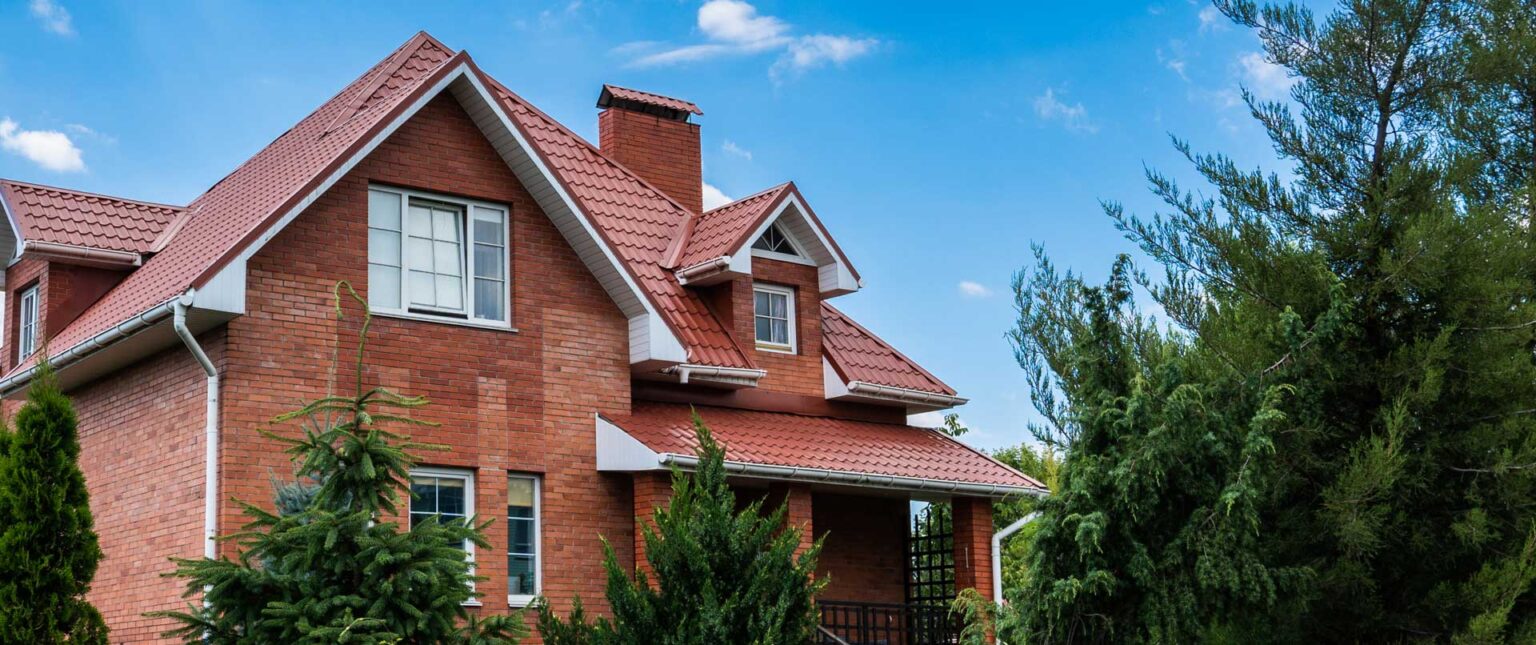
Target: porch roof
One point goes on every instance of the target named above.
(778, 445)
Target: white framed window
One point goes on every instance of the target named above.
(446, 494)
(438, 257)
(774, 317)
(26, 322)
(525, 572)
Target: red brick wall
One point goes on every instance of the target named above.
(663, 152)
(865, 547)
(797, 373)
(18, 277)
(506, 401)
(141, 449)
(973, 544)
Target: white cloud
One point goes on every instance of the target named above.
(54, 17)
(1074, 117)
(1211, 19)
(731, 148)
(50, 149)
(734, 28)
(1173, 58)
(1266, 80)
(714, 197)
(971, 289)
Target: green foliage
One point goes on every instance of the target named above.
(1333, 442)
(722, 575)
(329, 567)
(1044, 465)
(48, 547)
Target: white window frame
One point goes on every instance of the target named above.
(466, 261)
(468, 477)
(789, 311)
(27, 308)
(524, 600)
(801, 256)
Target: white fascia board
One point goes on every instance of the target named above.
(15, 231)
(617, 451)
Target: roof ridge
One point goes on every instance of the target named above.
(876, 337)
(386, 68)
(87, 193)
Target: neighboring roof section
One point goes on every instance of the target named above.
(716, 232)
(860, 356)
(827, 449)
(622, 97)
(79, 219)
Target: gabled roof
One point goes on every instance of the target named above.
(823, 445)
(634, 218)
(858, 355)
(717, 231)
(612, 92)
(87, 220)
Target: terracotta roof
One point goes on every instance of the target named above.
(62, 216)
(237, 209)
(859, 355)
(781, 439)
(716, 232)
(637, 221)
(626, 94)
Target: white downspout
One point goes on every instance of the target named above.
(997, 554)
(211, 429)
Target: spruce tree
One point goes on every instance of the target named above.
(333, 566)
(722, 575)
(1348, 390)
(48, 546)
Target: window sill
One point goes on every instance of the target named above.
(777, 349)
(471, 603)
(443, 320)
(520, 602)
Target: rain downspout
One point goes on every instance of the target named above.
(211, 429)
(997, 553)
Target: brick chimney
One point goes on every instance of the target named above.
(650, 134)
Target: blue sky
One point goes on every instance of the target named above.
(936, 141)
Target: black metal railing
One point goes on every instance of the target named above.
(866, 623)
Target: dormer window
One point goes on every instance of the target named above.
(774, 317)
(775, 241)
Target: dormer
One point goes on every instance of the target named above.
(776, 224)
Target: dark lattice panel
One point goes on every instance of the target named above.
(931, 558)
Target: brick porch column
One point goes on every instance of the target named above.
(797, 497)
(973, 544)
(652, 490)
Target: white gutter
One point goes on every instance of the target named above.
(702, 268)
(688, 370)
(211, 428)
(903, 394)
(794, 473)
(69, 252)
(122, 330)
(997, 553)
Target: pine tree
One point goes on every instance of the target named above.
(330, 566)
(48, 547)
(1346, 402)
(722, 575)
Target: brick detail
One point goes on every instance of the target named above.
(864, 556)
(973, 544)
(797, 373)
(797, 497)
(663, 152)
(652, 490)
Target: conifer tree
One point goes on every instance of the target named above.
(1354, 348)
(332, 566)
(48, 546)
(722, 575)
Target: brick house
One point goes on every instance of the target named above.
(563, 305)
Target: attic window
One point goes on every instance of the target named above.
(775, 241)
(437, 257)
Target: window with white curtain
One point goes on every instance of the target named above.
(774, 317)
(438, 257)
(27, 318)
